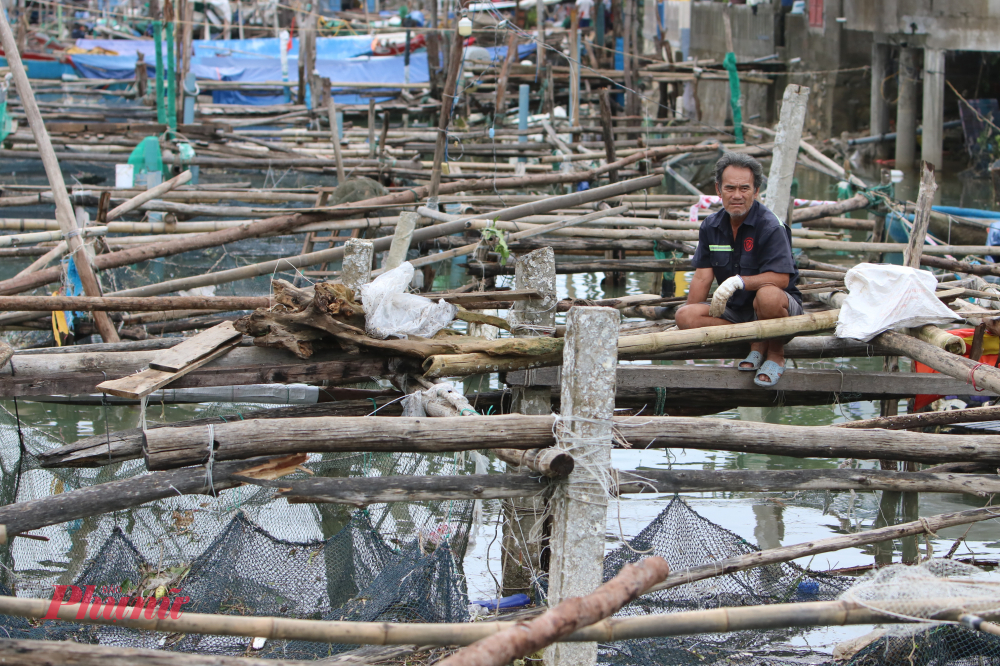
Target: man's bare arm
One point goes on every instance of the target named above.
(756, 282)
(700, 284)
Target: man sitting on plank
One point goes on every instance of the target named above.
(749, 252)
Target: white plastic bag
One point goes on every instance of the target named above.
(390, 311)
(884, 296)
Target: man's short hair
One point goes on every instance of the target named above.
(743, 161)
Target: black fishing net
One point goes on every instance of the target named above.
(941, 645)
(241, 553)
(246, 553)
(686, 539)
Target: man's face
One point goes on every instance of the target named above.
(737, 191)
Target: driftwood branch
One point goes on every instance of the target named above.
(526, 638)
(127, 493)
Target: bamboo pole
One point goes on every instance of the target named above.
(64, 209)
(528, 233)
(137, 304)
(148, 195)
(723, 620)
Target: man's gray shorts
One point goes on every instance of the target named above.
(744, 315)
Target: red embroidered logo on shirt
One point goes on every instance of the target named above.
(748, 244)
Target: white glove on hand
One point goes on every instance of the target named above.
(723, 294)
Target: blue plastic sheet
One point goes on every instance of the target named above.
(327, 48)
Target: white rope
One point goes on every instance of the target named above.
(209, 480)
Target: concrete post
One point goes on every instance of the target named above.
(401, 240)
(933, 135)
(794, 103)
(879, 105)
(906, 110)
(521, 557)
(580, 502)
(356, 269)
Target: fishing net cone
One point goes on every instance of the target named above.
(920, 593)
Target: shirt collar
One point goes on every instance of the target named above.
(751, 219)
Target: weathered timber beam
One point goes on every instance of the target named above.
(927, 419)
(687, 481)
(363, 491)
(27, 516)
(126, 304)
(121, 445)
(167, 448)
(978, 376)
(75, 374)
(39, 653)
(703, 377)
(118, 495)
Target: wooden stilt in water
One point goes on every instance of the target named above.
(523, 538)
(579, 503)
(447, 103)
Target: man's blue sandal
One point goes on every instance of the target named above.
(754, 359)
(772, 371)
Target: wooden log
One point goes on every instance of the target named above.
(127, 304)
(927, 419)
(839, 223)
(64, 209)
(166, 448)
(959, 266)
(360, 492)
(102, 498)
(565, 618)
(977, 375)
(547, 462)
(38, 653)
(922, 218)
(113, 447)
(239, 367)
(856, 202)
(795, 480)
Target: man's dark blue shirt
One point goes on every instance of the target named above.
(763, 244)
